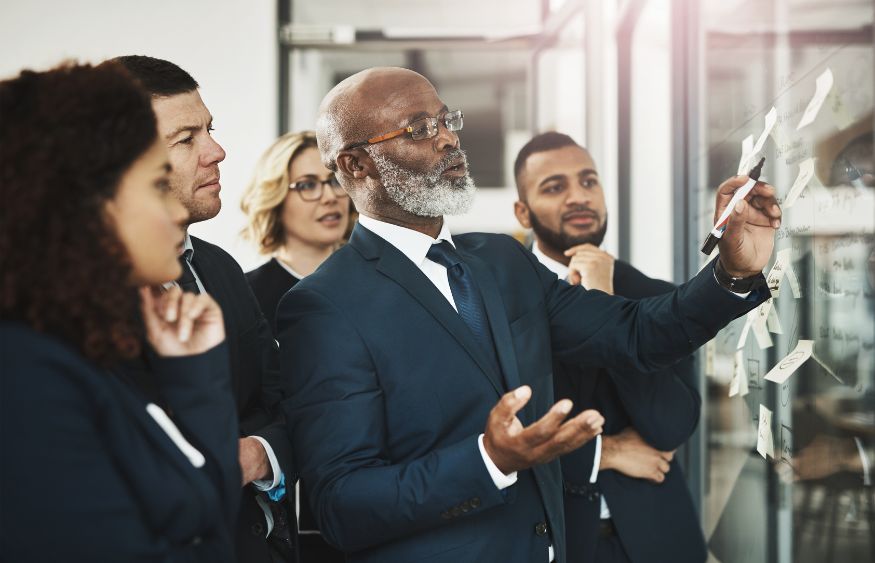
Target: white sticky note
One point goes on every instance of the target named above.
(709, 358)
(821, 90)
(745, 330)
(758, 325)
(770, 120)
(746, 153)
(786, 367)
(773, 322)
(778, 135)
(765, 442)
(806, 171)
(793, 281)
(738, 386)
(779, 268)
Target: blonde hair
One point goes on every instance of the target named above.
(263, 199)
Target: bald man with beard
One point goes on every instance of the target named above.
(418, 364)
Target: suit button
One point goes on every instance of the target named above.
(541, 528)
(257, 529)
(466, 506)
(475, 502)
(455, 511)
(445, 514)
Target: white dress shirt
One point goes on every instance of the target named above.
(561, 271)
(415, 246)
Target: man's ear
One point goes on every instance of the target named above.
(521, 210)
(356, 163)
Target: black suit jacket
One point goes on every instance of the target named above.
(269, 282)
(87, 473)
(655, 522)
(388, 392)
(254, 380)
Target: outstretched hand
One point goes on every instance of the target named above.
(512, 447)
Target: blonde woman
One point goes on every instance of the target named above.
(298, 214)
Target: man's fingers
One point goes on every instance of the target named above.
(729, 186)
(725, 192)
(662, 465)
(576, 432)
(581, 248)
(657, 476)
(667, 456)
(510, 403)
(545, 428)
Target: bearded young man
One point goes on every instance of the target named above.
(625, 495)
(417, 364)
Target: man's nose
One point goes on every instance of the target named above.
(445, 139)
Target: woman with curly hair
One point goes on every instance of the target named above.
(298, 213)
(91, 470)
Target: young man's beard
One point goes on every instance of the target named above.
(562, 241)
(427, 194)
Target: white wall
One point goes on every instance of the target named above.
(229, 47)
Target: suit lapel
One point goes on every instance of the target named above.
(393, 264)
(499, 324)
(211, 276)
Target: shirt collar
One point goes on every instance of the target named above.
(412, 244)
(558, 268)
(188, 247)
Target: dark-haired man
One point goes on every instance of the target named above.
(264, 533)
(625, 496)
(418, 363)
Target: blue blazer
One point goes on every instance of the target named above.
(655, 522)
(88, 475)
(388, 392)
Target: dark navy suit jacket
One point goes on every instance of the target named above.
(655, 522)
(88, 475)
(388, 391)
(254, 362)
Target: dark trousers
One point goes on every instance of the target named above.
(314, 549)
(609, 549)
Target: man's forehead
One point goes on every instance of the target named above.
(401, 98)
(181, 110)
(564, 160)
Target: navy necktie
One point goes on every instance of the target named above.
(187, 281)
(465, 293)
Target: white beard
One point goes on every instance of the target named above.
(427, 194)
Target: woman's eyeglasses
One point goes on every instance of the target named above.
(311, 189)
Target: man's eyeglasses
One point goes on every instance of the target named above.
(421, 129)
(311, 189)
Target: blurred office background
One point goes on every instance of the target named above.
(664, 94)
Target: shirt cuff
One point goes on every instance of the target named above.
(268, 484)
(596, 459)
(501, 480)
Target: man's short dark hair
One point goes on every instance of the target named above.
(539, 143)
(157, 76)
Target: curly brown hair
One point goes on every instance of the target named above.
(67, 136)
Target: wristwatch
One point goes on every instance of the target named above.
(737, 285)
